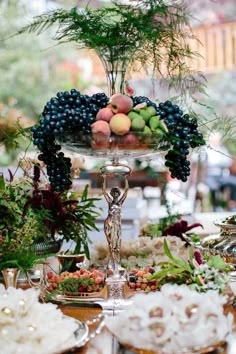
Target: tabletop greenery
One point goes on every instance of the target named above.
(196, 272)
(17, 233)
(31, 213)
(69, 214)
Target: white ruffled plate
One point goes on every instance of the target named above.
(80, 337)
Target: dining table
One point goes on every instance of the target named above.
(106, 343)
(102, 341)
(90, 313)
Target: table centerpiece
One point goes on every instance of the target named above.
(150, 34)
(35, 220)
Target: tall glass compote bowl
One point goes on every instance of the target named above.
(113, 148)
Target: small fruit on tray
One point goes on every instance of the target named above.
(138, 280)
(81, 281)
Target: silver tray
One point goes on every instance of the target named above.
(61, 298)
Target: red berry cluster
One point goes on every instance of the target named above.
(139, 280)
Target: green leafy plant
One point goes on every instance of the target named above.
(67, 214)
(195, 272)
(152, 33)
(17, 234)
(32, 213)
(156, 229)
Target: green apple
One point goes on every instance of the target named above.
(159, 133)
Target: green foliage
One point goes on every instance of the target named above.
(200, 277)
(217, 262)
(28, 72)
(156, 229)
(71, 285)
(75, 216)
(18, 233)
(20, 259)
(151, 33)
(29, 215)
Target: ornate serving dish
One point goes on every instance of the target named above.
(129, 146)
(223, 243)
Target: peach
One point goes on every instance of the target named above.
(101, 128)
(130, 141)
(121, 103)
(105, 114)
(120, 124)
(100, 144)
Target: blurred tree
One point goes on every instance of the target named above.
(30, 71)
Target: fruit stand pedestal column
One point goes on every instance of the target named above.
(112, 224)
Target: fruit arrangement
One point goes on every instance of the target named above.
(132, 122)
(139, 280)
(81, 281)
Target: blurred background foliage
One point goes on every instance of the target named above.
(32, 69)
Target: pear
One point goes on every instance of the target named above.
(138, 124)
(132, 115)
(145, 114)
(154, 122)
(159, 133)
(147, 131)
(151, 110)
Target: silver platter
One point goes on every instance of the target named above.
(223, 243)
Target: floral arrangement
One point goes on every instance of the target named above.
(18, 233)
(28, 326)
(198, 273)
(69, 214)
(32, 213)
(197, 321)
(172, 225)
(156, 229)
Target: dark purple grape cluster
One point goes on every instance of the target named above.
(182, 135)
(68, 110)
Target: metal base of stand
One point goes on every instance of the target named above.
(112, 225)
